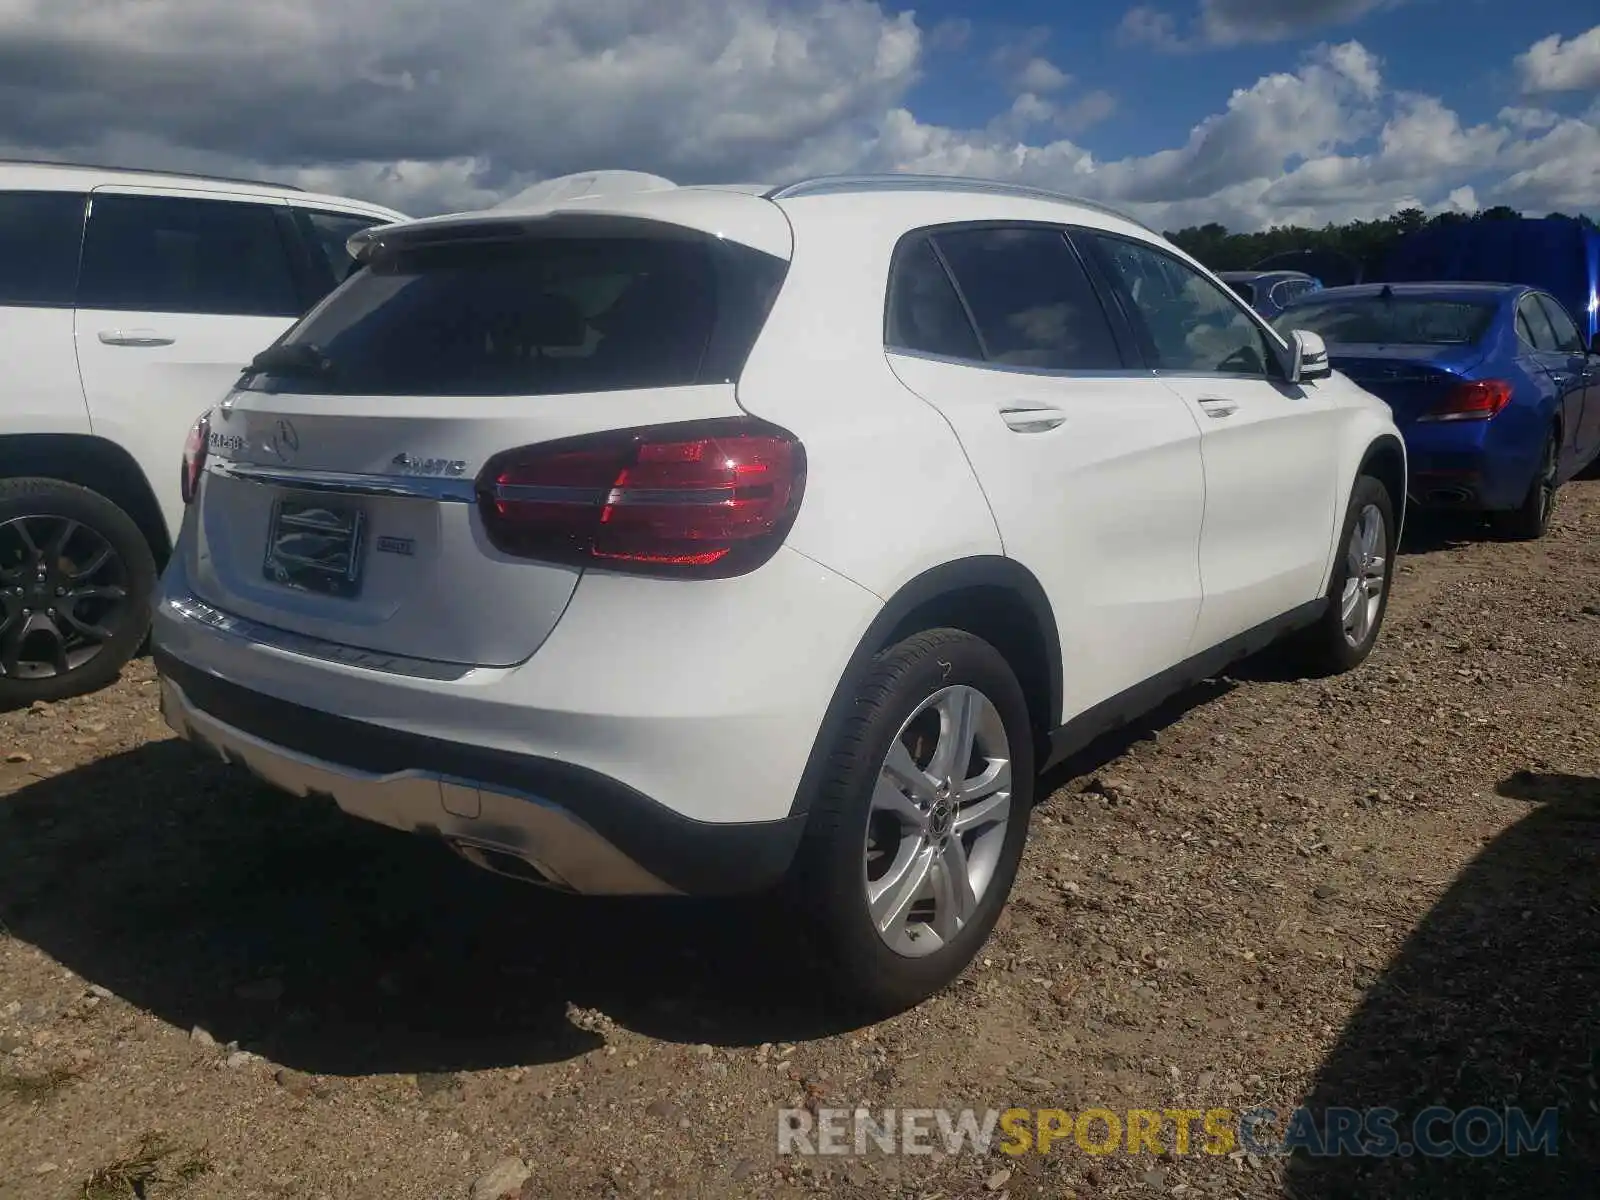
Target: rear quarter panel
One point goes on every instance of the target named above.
(889, 492)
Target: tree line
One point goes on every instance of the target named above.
(1363, 242)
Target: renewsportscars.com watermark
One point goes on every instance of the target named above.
(1477, 1132)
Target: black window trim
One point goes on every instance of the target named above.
(71, 302)
(311, 243)
(1121, 334)
(1278, 368)
(275, 207)
(1519, 322)
(302, 258)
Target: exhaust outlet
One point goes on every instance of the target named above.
(497, 860)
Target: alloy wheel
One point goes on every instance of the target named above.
(937, 823)
(1365, 570)
(63, 596)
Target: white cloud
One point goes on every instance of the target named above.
(1555, 64)
(1236, 22)
(439, 104)
(1026, 68)
(1042, 75)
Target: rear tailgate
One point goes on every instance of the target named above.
(315, 546)
(338, 497)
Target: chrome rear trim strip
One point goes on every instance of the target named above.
(349, 483)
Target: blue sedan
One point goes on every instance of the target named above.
(1492, 386)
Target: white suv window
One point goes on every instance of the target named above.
(1028, 296)
(1194, 326)
(177, 255)
(40, 234)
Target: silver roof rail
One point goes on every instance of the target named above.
(147, 171)
(825, 185)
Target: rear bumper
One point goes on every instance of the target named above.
(1471, 466)
(548, 821)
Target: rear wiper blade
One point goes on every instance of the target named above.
(291, 358)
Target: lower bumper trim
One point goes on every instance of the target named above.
(533, 818)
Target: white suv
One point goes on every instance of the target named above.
(129, 302)
(723, 539)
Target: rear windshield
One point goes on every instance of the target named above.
(532, 315)
(1243, 289)
(1398, 321)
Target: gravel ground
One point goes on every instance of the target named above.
(1373, 891)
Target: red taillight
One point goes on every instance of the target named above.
(703, 499)
(1477, 400)
(194, 456)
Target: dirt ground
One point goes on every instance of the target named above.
(1375, 891)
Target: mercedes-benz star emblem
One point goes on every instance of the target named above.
(285, 441)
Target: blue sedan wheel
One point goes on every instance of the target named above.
(1532, 520)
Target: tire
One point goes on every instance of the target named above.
(58, 540)
(899, 704)
(1331, 646)
(1531, 521)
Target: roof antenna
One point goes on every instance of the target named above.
(1386, 292)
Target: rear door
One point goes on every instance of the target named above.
(1584, 369)
(1569, 374)
(338, 500)
(177, 292)
(39, 241)
(1091, 468)
(1270, 448)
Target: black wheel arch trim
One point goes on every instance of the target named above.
(1383, 444)
(74, 458)
(960, 575)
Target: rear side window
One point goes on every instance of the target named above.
(1568, 339)
(925, 313)
(330, 231)
(40, 234)
(1031, 299)
(489, 315)
(176, 255)
(1534, 325)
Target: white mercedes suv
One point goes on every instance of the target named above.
(724, 540)
(129, 302)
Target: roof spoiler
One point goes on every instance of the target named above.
(539, 197)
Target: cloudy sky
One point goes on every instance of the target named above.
(1250, 112)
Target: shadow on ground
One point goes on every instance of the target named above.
(1433, 532)
(1491, 1002)
(177, 882)
(338, 947)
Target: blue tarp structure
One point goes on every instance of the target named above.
(1553, 253)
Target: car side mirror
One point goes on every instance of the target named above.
(1308, 357)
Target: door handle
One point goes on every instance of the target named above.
(134, 337)
(1037, 419)
(1217, 406)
